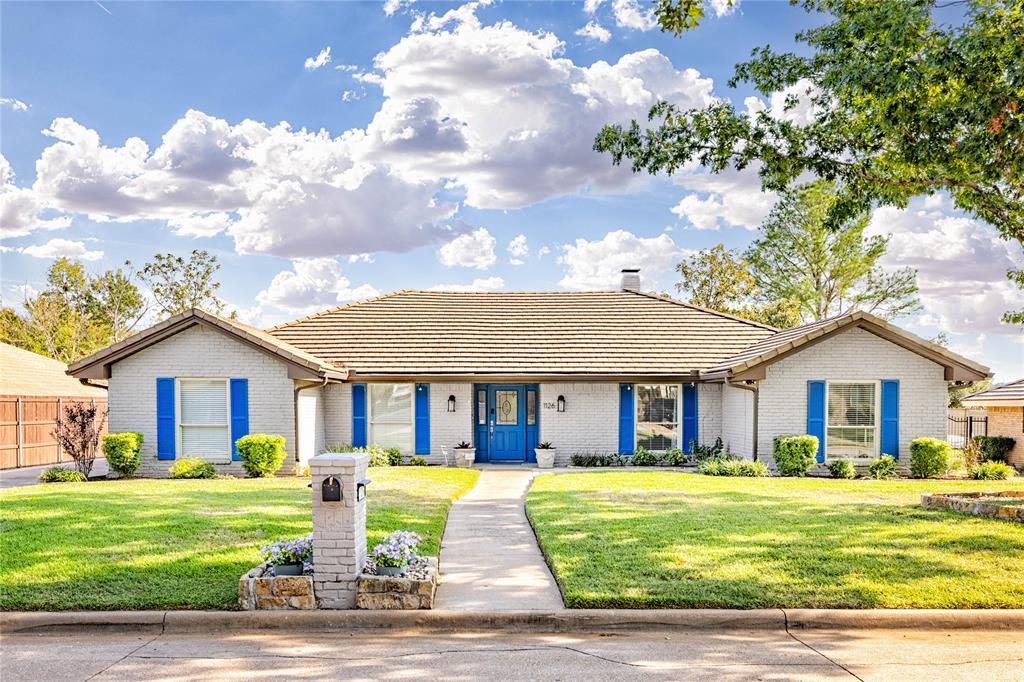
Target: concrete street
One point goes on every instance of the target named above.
(719, 655)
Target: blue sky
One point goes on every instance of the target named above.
(455, 151)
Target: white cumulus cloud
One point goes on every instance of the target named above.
(518, 249)
(473, 250)
(200, 224)
(313, 63)
(13, 104)
(62, 248)
(598, 264)
(628, 14)
(594, 31)
(312, 284)
(731, 198)
(479, 284)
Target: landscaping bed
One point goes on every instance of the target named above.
(662, 539)
(1008, 505)
(157, 544)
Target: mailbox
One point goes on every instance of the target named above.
(361, 489)
(330, 490)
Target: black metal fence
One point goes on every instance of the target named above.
(960, 430)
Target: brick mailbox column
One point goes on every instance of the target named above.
(339, 530)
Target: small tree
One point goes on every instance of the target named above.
(78, 434)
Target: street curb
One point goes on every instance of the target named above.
(577, 620)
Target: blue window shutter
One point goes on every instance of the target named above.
(626, 438)
(890, 440)
(689, 415)
(359, 415)
(165, 438)
(239, 413)
(816, 414)
(422, 419)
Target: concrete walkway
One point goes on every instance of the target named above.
(16, 478)
(490, 560)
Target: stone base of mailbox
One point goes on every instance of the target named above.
(388, 592)
(978, 504)
(260, 590)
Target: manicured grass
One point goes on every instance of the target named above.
(666, 539)
(152, 544)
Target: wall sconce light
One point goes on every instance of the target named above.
(561, 403)
(451, 403)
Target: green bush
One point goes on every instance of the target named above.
(675, 457)
(841, 468)
(992, 471)
(192, 467)
(733, 467)
(378, 455)
(994, 448)
(929, 457)
(262, 454)
(794, 455)
(122, 452)
(883, 468)
(417, 461)
(702, 453)
(590, 459)
(645, 458)
(61, 475)
(394, 456)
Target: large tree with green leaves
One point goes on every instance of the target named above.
(179, 284)
(904, 105)
(826, 270)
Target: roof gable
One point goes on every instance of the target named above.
(302, 365)
(606, 333)
(1010, 394)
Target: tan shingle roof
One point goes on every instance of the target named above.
(1012, 392)
(774, 347)
(25, 373)
(255, 337)
(429, 332)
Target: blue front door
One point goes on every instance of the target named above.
(507, 422)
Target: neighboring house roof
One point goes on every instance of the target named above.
(302, 365)
(750, 363)
(609, 333)
(1008, 395)
(23, 372)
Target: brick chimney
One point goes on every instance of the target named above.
(631, 279)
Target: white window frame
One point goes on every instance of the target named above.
(876, 428)
(636, 414)
(178, 413)
(408, 449)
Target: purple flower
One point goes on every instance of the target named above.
(294, 551)
(398, 549)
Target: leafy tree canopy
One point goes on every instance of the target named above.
(179, 284)
(902, 105)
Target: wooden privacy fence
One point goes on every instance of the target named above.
(26, 429)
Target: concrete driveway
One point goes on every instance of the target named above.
(15, 478)
(720, 655)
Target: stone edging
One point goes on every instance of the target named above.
(576, 620)
(973, 503)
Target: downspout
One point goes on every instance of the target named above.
(295, 410)
(753, 389)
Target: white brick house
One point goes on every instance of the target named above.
(591, 372)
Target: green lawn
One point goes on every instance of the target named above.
(667, 539)
(151, 544)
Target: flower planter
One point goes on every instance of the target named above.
(464, 457)
(545, 457)
(288, 569)
(391, 570)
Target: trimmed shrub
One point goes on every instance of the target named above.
(929, 457)
(702, 453)
(417, 461)
(61, 475)
(794, 455)
(675, 457)
(883, 468)
(645, 458)
(591, 459)
(994, 448)
(841, 468)
(733, 467)
(992, 471)
(122, 452)
(394, 456)
(262, 454)
(192, 467)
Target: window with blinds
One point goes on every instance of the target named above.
(657, 417)
(391, 416)
(852, 414)
(204, 419)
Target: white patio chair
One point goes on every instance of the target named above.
(444, 453)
